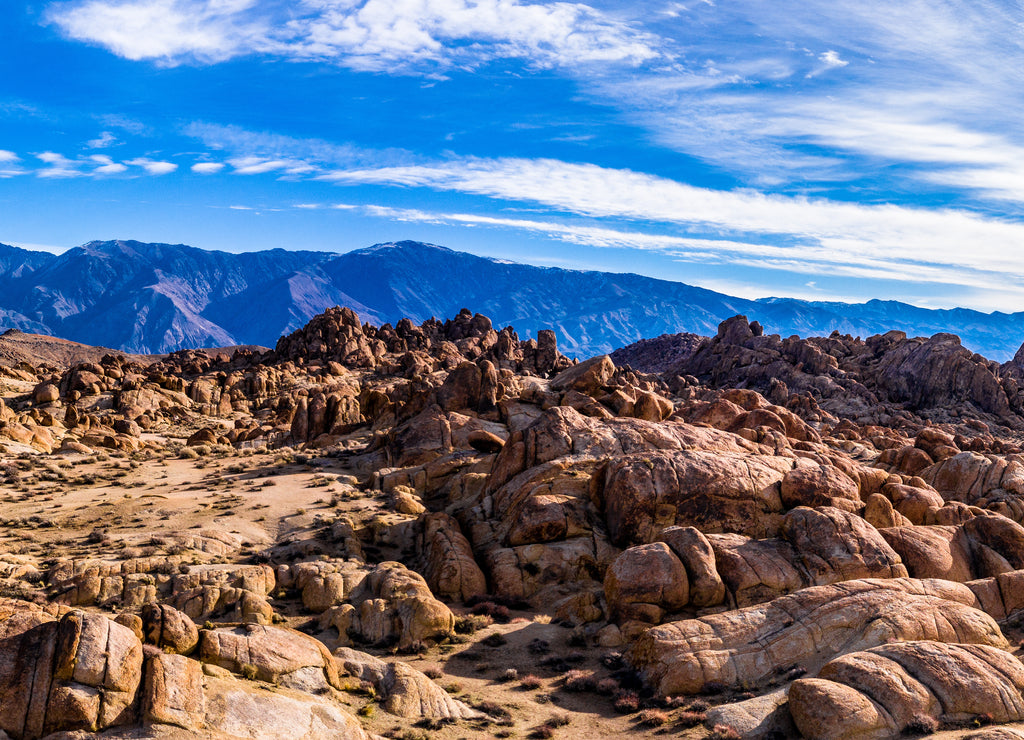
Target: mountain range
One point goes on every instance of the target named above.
(153, 298)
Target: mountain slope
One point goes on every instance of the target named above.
(152, 298)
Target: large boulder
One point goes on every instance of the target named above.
(891, 689)
(403, 691)
(748, 647)
(645, 582)
(272, 654)
(710, 490)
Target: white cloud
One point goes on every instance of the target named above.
(58, 166)
(207, 168)
(831, 59)
(169, 31)
(8, 165)
(379, 35)
(107, 166)
(259, 165)
(104, 140)
(871, 241)
(153, 167)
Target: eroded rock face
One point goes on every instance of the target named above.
(879, 693)
(271, 654)
(449, 566)
(80, 672)
(711, 491)
(746, 647)
(405, 692)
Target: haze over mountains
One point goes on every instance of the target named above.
(151, 298)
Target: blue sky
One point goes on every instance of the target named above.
(825, 150)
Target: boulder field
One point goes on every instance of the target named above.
(446, 530)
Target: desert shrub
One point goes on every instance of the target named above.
(433, 672)
(531, 682)
(626, 702)
(538, 646)
(577, 680)
(509, 674)
(496, 612)
(653, 718)
(689, 718)
(495, 639)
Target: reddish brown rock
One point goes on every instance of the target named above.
(881, 692)
(645, 582)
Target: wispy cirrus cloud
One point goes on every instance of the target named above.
(377, 35)
(104, 140)
(886, 238)
(825, 95)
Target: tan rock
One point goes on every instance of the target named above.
(173, 692)
(45, 393)
(587, 377)
(646, 581)
(744, 648)
(911, 680)
(169, 629)
(832, 545)
(823, 485)
(404, 691)
(712, 491)
(448, 563)
(698, 557)
(272, 654)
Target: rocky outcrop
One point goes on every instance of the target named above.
(746, 648)
(817, 547)
(855, 378)
(892, 689)
(404, 692)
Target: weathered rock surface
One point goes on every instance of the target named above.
(747, 647)
(405, 692)
(879, 693)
